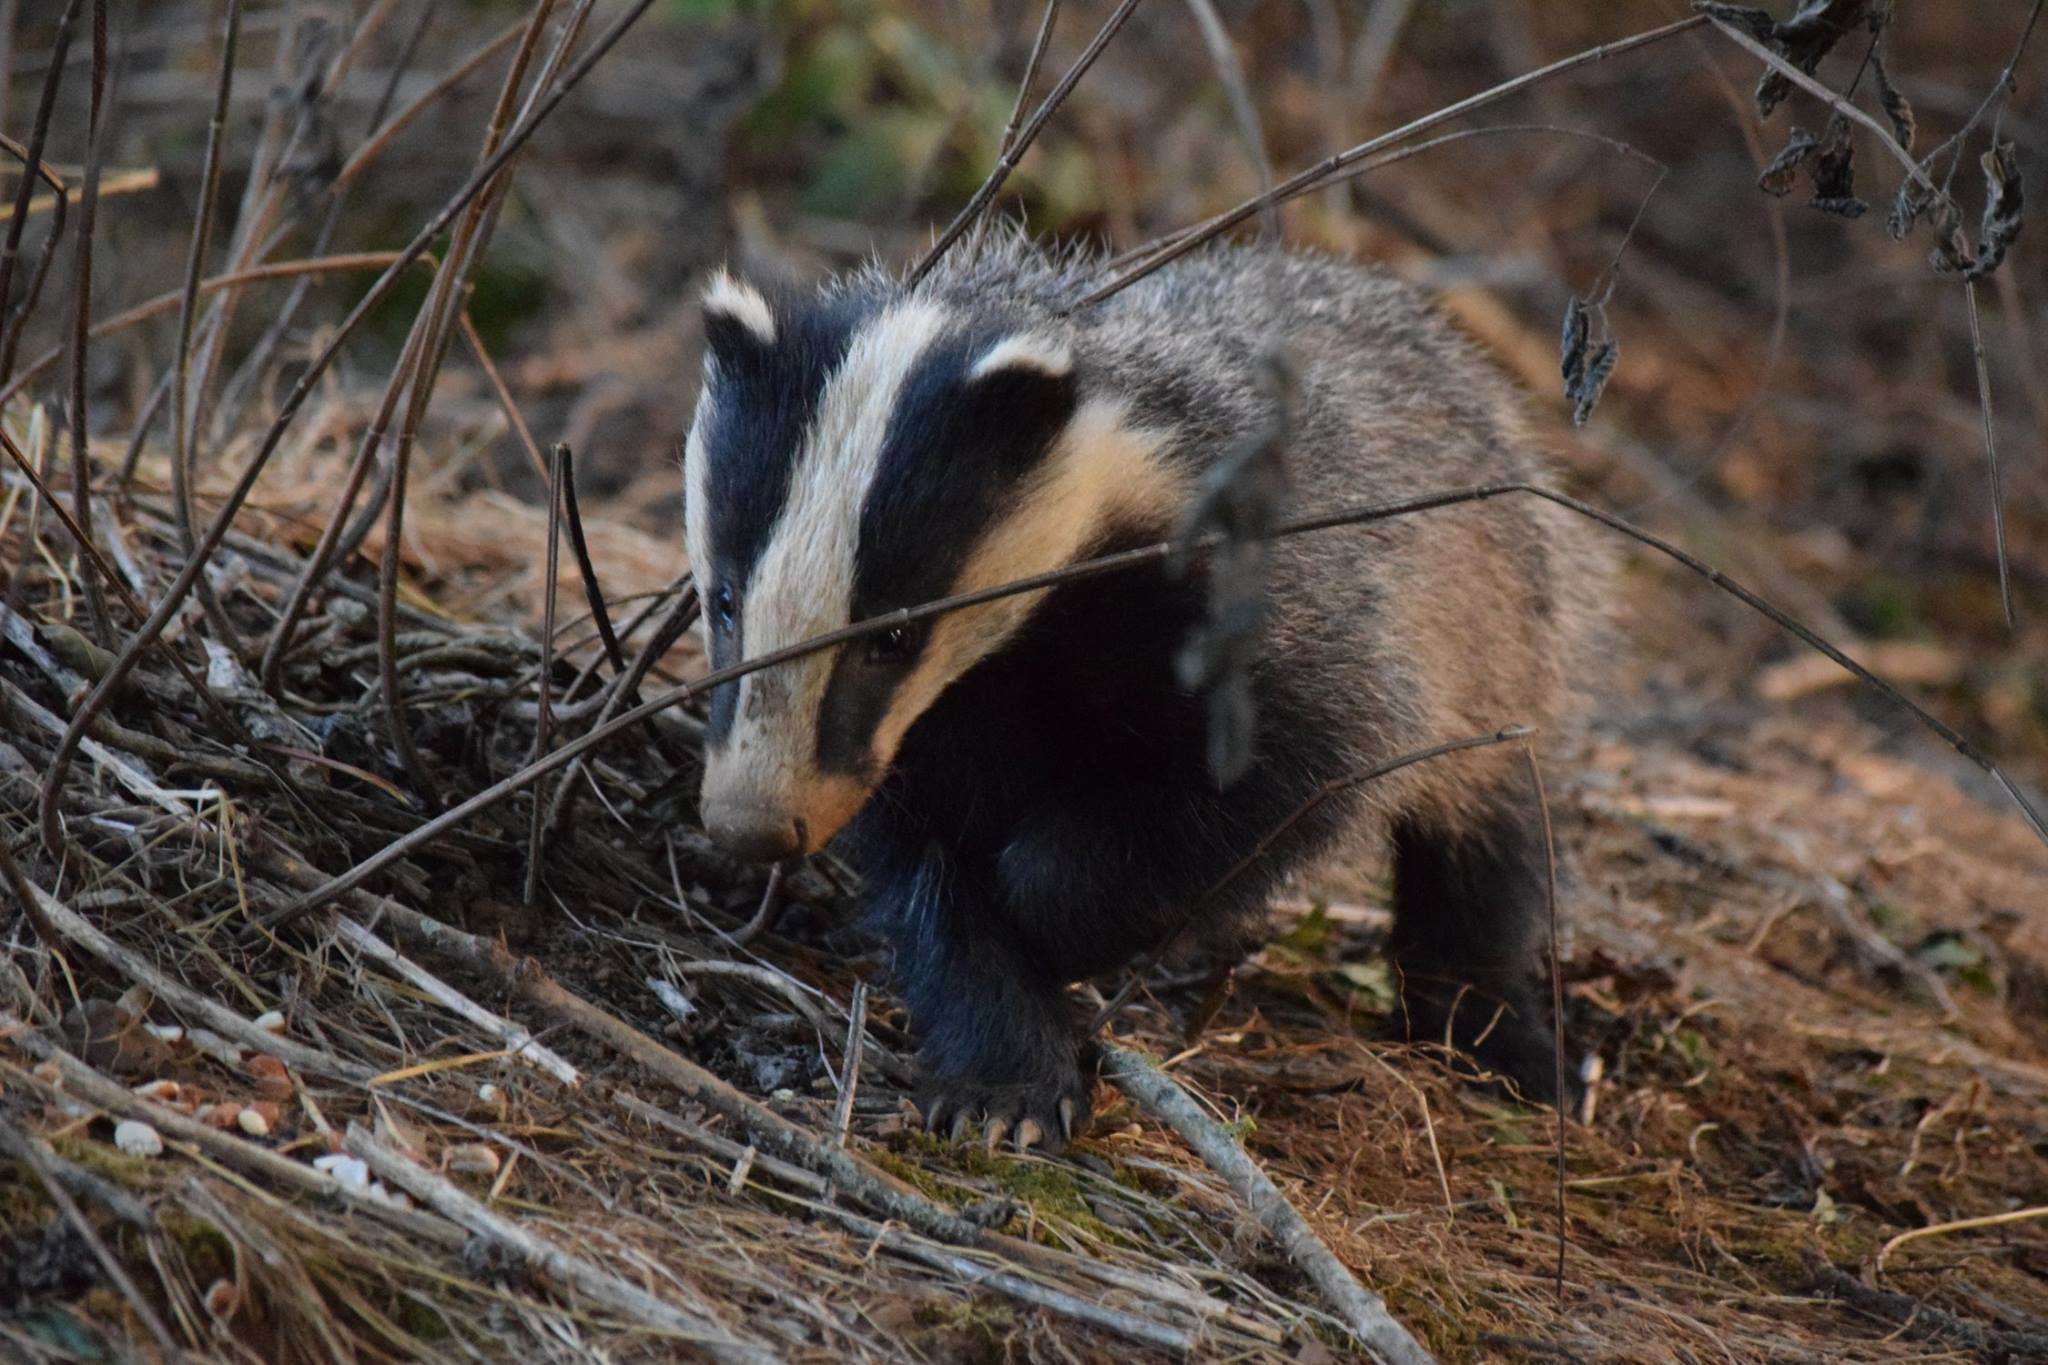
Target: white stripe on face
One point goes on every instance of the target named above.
(697, 499)
(802, 584)
(1101, 473)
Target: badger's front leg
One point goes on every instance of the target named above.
(998, 1042)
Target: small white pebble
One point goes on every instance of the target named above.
(137, 1138)
(252, 1122)
(488, 1093)
(271, 1022)
(350, 1171)
(397, 1199)
(213, 1045)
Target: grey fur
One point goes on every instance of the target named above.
(1394, 636)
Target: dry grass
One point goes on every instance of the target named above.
(431, 1121)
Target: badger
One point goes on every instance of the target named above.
(1024, 785)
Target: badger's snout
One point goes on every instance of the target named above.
(757, 833)
(765, 806)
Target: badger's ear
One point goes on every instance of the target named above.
(737, 320)
(1026, 382)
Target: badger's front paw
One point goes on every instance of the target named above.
(1046, 1113)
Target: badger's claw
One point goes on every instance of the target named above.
(1044, 1115)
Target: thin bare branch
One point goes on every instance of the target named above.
(1329, 166)
(1014, 153)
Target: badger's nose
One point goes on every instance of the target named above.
(756, 833)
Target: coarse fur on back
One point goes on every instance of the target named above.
(1025, 784)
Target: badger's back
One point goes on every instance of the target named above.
(1388, 637)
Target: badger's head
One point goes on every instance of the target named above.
(855, 454)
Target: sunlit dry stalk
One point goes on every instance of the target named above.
(558, 477)
(81, 316)
(10, 336)
(165, 302)
(32, 167)
(465, 252)
(181, 587)
(195, 262)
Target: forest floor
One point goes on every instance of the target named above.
(1803, 945)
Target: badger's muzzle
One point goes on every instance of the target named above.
(759, 834)
(764, 797)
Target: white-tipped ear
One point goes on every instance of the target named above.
(1026, 351)
(726, 297)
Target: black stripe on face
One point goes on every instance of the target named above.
(763, 397)
(956, 449)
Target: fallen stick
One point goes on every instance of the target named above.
(1147, 1331)
(1362, 1310)
(565, 1269)
(517, 1040)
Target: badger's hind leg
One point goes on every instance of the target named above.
(1469, 922)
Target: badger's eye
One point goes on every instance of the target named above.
(725, 608)
(895, 645)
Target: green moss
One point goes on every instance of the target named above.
(206, 1249)
(1056, 1196)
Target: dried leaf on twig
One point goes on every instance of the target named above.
(1804, 39)
(1778, 176)
(1241, 501)
(1897, 107)
(2004, 205)
(1586, 366)
(1833, 169)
